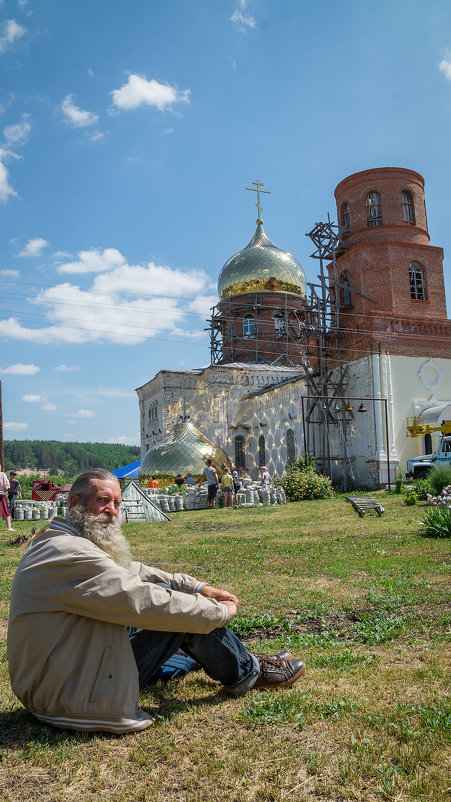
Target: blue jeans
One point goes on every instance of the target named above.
(220, 653)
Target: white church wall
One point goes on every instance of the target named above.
(409, 385)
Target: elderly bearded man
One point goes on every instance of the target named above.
(88, 626)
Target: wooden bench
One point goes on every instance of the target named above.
(364, 503)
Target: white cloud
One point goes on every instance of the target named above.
(32, 399)
(12, 426)
(445, 67)
(242, 20)
(34, 247)
(6, 190)
(125, 304)
(67, 368)
(158, 280)
(202, 305)
(18, 133)
(76, 116)
(10, 32)
(10, 273)
(187, 335)
(138, 91)
(94, 261)
(21, 370)
(97, 136)
(84, 413)
(49, 407)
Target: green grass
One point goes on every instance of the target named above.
(365, 602)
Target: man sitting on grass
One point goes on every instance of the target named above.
(88, 626)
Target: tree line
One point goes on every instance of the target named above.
(66, 459)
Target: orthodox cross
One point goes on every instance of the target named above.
(259, 184)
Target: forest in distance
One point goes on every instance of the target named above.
(64, 459)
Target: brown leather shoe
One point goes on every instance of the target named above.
(278, 673)
(282, 655)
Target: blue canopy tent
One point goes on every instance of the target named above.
(130, 471)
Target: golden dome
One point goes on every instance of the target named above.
(184, 450)
(261, 267)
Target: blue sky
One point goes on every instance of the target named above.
(128, 133)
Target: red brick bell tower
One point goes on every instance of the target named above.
(385, 256)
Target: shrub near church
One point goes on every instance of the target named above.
(302, 482)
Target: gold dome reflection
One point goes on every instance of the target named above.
(184, 450)
(261, 267)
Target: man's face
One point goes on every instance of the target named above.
(104, 496)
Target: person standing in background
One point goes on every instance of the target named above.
(227, 489)
(236, 486)
(14, 492)
(211, 476)
(265, 479)
(5, 512)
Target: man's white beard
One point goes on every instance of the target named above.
(104, 531)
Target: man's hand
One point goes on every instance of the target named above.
(220, 595)
(231, 606)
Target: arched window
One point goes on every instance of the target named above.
(417, 283)
(345, 217)
(248, 325)
(291, 448)
(345, 291)
(279, 328)
(407, 207)
(261, 451)
(240, 453)
(373, 209)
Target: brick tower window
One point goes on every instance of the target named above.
(373, 209)
(407, 207)
(279, 328)
(417, 283)
(345, 217)
(248, 325)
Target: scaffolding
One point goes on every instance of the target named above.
(311, 338)
(284, 346)
(327, 403)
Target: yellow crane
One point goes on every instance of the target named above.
(416, 427)
(419, 467)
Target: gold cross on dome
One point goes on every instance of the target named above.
(258, 184)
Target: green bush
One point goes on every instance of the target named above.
(304, 483)
(422, 489)
(437, 522)
(439, 478)
(411, 498)
(399, 484)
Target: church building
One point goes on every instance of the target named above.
(333, 369)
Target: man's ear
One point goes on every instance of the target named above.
(74, 500)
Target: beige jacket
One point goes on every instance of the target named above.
(70, 660)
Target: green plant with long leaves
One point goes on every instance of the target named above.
(437, 522)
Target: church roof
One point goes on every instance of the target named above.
(261, 267)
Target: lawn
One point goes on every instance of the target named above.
(365, 602)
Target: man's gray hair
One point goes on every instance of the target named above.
(82, 485)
